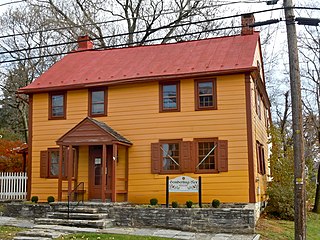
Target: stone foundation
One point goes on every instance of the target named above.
(226, 220)
(229, 218)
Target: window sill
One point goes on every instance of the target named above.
(206, 108)
(205, 171)
(57, 118)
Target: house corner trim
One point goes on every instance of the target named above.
(252, 194)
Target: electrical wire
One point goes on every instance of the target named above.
(118, 45)
(123, 19)
(136, 32)
(9, 3)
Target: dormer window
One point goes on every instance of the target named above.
(57, 106)
(98, 102)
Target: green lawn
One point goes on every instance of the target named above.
(284, 230)
(7, 232)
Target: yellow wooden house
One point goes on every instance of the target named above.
(113, 124)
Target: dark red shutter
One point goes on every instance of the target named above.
(223, 156)
(263, 162)
(258, 157)
(44, 164)
(187, 160)
(155, 158)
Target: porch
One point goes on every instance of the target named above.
(93, 162)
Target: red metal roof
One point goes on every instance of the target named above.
(164, 61)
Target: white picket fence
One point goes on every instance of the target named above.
(13, 185)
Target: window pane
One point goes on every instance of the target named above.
(206, 101)
(54, 163)
(169, 103)
(97, 102)
(98, 108)
(203, 149)
(205, 88)
(98, 97)
(97, 174)
(169, 90)
(170, 156)
(57, 100)
(205, 93)
(57, 106)
(169, 96)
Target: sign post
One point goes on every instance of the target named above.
(183, 184)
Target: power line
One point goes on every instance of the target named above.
(118, 45)
(9, 3)
(102, 22)
(124, 19)
(137, 32)
(142, 31)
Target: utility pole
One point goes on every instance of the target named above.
(298, 149)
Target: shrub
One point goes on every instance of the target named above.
(215, 203)
(50, 199)
(174, 204)
(189, 204)
(153, 201)
(34, 199)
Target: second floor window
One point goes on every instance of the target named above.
(258, 103)
(98, 102)
(205, 94)
(169, 97)
(57, 106)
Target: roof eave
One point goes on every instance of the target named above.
(136, 80)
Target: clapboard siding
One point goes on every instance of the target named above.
(133, 111)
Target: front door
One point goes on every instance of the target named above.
(95, 172)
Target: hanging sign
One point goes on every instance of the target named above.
(183, 184)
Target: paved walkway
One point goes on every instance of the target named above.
(176, 234)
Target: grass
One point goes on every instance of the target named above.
(7, 232)
(270, 229)
(105, 236)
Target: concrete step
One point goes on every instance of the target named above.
(77, 215)
(42, 234)
(102, 223)
(30, 238)
(77, 209)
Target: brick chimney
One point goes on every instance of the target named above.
(246, 20)
(84, 42)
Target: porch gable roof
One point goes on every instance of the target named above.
(92, 132)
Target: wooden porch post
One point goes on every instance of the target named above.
(114, 164)
(60, 173)
(70, 169)
(103, 174)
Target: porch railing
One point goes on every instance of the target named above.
(74, 196)
(13, 185)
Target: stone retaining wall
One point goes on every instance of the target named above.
(227, 220)
(23, 210)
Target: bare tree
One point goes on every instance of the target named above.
(132, 22)
(310, 73)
